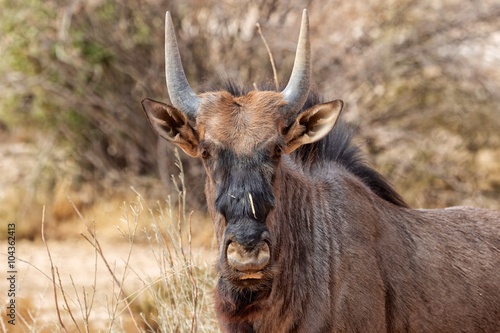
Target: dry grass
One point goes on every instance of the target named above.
(173, 294)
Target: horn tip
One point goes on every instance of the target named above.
(169, 27)
(305, 22)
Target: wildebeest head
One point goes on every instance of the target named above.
(240, 140)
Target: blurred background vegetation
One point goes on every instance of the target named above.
(421, 80)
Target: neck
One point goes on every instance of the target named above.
(299, 215)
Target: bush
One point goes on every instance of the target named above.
(413, 69)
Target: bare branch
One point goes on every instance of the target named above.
(273, 65)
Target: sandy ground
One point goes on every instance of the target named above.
(77, 266)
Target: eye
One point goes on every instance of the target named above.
(277, 151)
(204, 154)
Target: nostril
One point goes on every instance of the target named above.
(232, 250)
(239, 258)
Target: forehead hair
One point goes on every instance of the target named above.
(240, 123)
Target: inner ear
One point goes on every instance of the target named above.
(172, 125)
(312, 124)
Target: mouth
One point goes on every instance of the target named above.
(256, 280)
(252, 276)
(247, 279)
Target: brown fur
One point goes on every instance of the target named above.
(348, 261)
(240, 122)
(347, 254)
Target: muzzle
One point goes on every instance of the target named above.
(247, 247)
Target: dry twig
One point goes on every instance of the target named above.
(271, 58)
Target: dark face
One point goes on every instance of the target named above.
(241, 167)
(243, 187)
(240, 140)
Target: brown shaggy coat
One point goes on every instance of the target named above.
(350, 256)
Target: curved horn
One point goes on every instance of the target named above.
(181, 95)
(297, 89)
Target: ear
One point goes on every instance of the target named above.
(312, 124)
(172, 125)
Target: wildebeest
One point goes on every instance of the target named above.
(311, 239)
